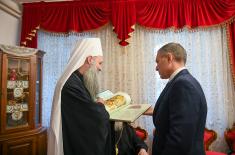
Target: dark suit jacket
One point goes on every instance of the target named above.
(179, 117)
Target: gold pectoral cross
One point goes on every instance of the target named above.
(116, 149)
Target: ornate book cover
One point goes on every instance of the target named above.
(120, 108)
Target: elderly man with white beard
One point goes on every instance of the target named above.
(126, 140)
(79, 122)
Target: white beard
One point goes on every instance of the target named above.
(91, 81)
(118, 126)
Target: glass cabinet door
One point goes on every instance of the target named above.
(17, 106)
(38, 94)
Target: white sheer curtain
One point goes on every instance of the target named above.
(132, 69)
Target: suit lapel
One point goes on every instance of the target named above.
(185, 71)
(161, 96)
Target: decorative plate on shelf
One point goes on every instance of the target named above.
(11, 84)
(17, 107)
(19, 84)
(10, 109)
(18, 92)
(25, 84)
(17, 115)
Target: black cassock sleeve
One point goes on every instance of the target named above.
(85, 124)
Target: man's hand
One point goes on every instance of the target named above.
(100, 100)
(149, 111)
(142, 152)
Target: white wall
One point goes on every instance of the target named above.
(10, 23)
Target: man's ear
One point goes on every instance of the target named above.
(89, 60)
(170, 57)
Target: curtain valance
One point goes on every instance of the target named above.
(85, 15)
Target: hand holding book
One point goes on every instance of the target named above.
(100, 100)
(120, 108)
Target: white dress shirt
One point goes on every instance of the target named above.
(175, 73)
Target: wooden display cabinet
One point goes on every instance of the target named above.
(21, 131)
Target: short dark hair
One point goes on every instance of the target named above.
(176, 49)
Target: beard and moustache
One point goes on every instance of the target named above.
(91, 81)
(118, 126)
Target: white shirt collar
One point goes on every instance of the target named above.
(175, 73)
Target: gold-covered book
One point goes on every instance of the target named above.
(120, 108)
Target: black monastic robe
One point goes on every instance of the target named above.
(85, 124)
(129, 143)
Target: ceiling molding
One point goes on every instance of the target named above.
(11, 8)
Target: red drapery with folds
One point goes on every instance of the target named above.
(231, 44)
(30, 20)
(62, 17)
(162, 14)
(74, 16)
(85, 15)
(123, 17)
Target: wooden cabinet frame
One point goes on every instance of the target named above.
(29, 138)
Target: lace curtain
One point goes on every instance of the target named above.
(132, 69)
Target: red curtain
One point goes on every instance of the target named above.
(62, 17)
(86, 15)
(162, 14)
(231, 43)
(123, 17)
(30, 20)
(74, 16)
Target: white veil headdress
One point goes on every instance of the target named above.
(83, 49)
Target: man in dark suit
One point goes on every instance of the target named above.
(180, 113)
